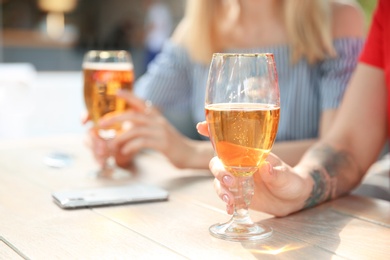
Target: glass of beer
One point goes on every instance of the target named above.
(105, 72)
(242, 111)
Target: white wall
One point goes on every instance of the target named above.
(53, 105)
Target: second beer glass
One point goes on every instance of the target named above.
(105, 72)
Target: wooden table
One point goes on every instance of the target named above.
(33, 227)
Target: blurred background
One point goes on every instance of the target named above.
(42, 43)
(54, 34)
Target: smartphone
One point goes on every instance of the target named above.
(108, 196)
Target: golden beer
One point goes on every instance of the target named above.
(242, 134)
(101, 82)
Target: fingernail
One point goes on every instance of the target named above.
(229, 209)
(265, 166)
(227, 180)
(225, 198)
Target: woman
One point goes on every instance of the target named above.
(315, 43)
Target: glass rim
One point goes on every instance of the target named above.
(110, 51)
(104, 54)
(237, 54)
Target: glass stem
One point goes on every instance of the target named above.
(241, 227)
(109, 165)
(243, 192)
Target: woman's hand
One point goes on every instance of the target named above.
(145, 127)
(278, 189)
(100, 149)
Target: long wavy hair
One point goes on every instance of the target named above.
(308, 24)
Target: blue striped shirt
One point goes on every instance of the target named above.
(176, 85)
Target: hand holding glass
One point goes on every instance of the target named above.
(242, 111)
(105, 72)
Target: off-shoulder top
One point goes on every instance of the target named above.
(176, 85)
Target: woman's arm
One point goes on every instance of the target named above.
(146, 128)
(292, 151)
(338, 163)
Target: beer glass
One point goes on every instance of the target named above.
(242, 111)
(105, 72)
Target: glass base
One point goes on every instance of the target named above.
(240, 232)
(113, 173)
(106, 172)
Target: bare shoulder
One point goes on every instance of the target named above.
(348, 19)
(179, 34)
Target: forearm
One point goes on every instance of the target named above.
(292, 151)
(194, 154)
(332, 172)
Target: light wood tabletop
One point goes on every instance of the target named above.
(32, 226)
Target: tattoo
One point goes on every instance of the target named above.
(332, 160)
(323, 188)
(331, 174)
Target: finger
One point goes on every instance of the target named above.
(85, 118)
(87, 140)
(281, 180)
(273, 172)
(100, 153)
(225, 195)
(230, 209)
(98, 146)
(135, 118)
(202, 128)
(136, 103)
(111, 119)
(139, 138)
(123, 160)
(220, 172)
(136, 145)
(138, 131)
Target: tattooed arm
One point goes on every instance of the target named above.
(337, 164)
(340, 161)
(334, 173)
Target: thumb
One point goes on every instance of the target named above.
(135, 103)
(283, 182)
(275, 173)
(202, 128)
(85, 118)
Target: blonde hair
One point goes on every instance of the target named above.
(199, 34)
(308, 24)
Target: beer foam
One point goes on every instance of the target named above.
(107, 66)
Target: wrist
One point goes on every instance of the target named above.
(193, 154)
(319, 187)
